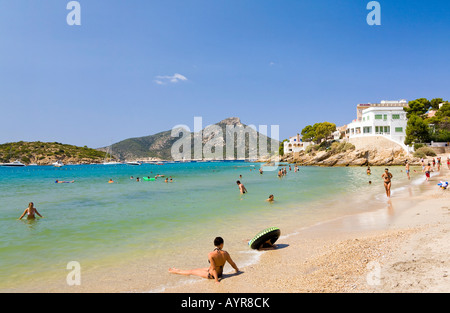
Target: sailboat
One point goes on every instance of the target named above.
(107, 160)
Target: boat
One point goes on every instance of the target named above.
(108, 158)
(133, 163)
(111, 163)
(13, 164)
(58, 164)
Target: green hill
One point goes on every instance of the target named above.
(45, 153)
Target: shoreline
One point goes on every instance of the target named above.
(402, 247)
(302, 265)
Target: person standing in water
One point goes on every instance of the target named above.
(407, 169)
(216, 259)
(242, 188)
(387, 176)
(427, 172)
(30, 212)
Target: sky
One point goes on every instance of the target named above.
(135, 68)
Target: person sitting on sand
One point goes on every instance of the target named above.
(30, 212)
(270, 199)
(268, 245)
(242, 188)
(216, 259)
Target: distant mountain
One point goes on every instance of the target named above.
(159, 146)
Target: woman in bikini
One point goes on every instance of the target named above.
(387, 182)
(30, 212)
(216, 259)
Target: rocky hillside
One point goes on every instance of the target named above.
(159, 146)
(46, 153)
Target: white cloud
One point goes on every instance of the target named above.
(175, 78)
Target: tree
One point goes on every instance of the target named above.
(323, 130)
(417, 107)
(417, 130)
(308, 133)
(435, 103)
(281, 147)
(318, 131)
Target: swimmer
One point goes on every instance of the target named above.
(270, 199)
(369, 172)
(30, 212)
(242, 188)
(111, 181)
(64, 182)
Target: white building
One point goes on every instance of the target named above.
(387, 119)
(295, 144)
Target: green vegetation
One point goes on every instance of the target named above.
(424, 152)
(421, 128)
(281, 147)
(332, 146)
(318, 131)
(38, 152)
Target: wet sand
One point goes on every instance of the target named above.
(402, 247)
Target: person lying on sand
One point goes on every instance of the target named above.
(216, 259)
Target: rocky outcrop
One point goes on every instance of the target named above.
(360, 157)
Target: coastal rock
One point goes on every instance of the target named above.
(369, 156)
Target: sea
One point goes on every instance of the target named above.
(118, 231)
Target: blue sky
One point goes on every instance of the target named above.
(135, 68)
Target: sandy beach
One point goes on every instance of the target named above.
(402, 247)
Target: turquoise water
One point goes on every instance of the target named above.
(101, 224)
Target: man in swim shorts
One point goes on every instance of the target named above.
(427, 171)
(242, 188)
(387, 176)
